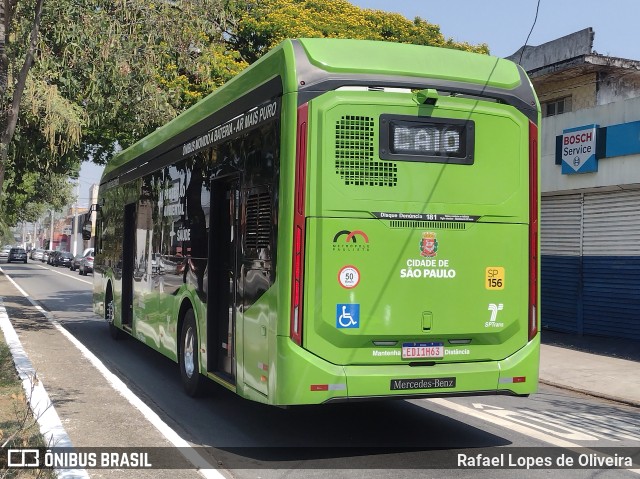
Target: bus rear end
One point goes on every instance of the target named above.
(418, 266)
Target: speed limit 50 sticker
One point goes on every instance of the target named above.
(494, 278)
(349, 277)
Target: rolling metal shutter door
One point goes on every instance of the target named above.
(611, 264)
(561, 218)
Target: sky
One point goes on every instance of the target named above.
(504, 26)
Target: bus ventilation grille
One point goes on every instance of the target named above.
(258, 220)
(355, 154)
(443, 225)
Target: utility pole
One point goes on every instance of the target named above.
(75, 220)
(51, 233)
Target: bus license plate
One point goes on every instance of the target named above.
(422, 350)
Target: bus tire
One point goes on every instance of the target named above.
(188, 359)
(109, 313)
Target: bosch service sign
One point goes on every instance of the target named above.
(579, 150)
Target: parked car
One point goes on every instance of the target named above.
(4, 252)
(63, 258)
(75, 264)
(36, 254)
(86, 264)
(17, 254)
(52, 257)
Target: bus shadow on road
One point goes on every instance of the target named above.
(387, 434)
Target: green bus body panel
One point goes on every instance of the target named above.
(439, 299)
(299, 370)
(355, 56)
(494, 187)
(403, 295)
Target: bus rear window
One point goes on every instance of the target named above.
(431, 140)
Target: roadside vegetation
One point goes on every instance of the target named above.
(18, 428)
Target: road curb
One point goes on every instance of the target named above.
(628, 402)
(201, 466)
(42, 408)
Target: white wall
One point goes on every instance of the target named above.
(612, 172)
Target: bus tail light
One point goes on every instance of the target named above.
(533, 230)
(295, 329)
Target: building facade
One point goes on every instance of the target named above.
(590, 184)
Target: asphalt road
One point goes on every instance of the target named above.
(415, 438)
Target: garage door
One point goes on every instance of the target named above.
(560, 248)
(611, 264)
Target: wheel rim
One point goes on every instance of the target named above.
(189, 364)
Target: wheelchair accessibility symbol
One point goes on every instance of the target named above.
(347, 316)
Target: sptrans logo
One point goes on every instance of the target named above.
(428, 245)
(351, 241)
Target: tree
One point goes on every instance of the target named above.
(98, 76)
(38, 126)
(11, 85)
(262, 24)
(133, 65)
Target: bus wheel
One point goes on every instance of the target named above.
(189, 366)
(109, 315)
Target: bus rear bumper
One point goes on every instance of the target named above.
(308, 379)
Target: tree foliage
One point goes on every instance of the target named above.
(105, 73)
(262, 24)
(135, 64)
(38, 125)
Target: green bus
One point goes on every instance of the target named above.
(343, 220)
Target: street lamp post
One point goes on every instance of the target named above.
(75, 220)
(51, 233)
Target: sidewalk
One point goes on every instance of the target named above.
(603, 367)
(92, 409)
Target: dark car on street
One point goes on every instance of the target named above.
(52, 256)
(17, 254)
(63, 258)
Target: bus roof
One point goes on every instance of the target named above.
(312, 66)
(355, 56)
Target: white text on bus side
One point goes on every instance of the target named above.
(427, 273)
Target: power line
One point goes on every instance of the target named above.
(530, 32)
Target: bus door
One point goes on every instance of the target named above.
(127, 265)
(223, 276)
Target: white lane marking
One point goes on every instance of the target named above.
(41, 406)
(499, 420)
(557, 429)
(64, 274)
(203, 467)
